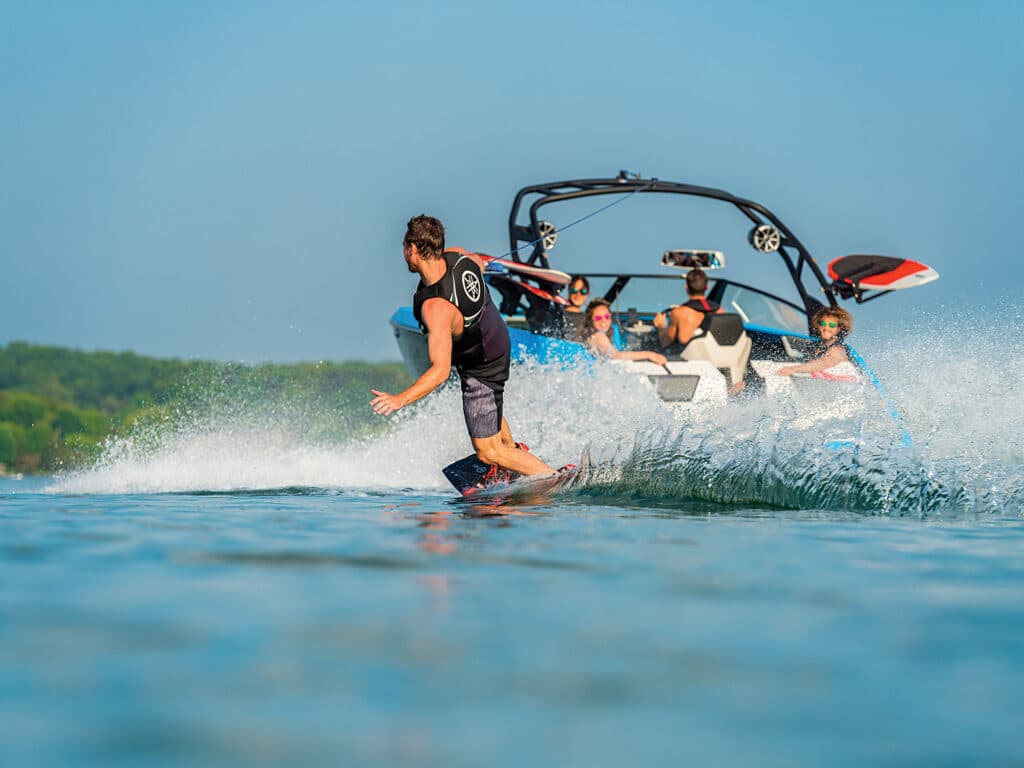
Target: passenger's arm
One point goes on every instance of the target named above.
(833, 357)
(641, 354)
(602, 345)
(438, 315)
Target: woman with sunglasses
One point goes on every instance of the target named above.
(579, 292)
(832, 324)
(598, 335)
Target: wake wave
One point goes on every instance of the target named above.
(961, 409)
(856, 479)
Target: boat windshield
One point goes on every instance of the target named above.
(757, 308)
(648, 294)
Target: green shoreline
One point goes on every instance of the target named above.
(58, 406)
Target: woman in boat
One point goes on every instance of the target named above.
(832, 325)
(579, 290)
(599, 334)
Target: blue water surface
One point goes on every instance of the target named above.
(351, 628)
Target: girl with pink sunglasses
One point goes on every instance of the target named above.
(598, 335)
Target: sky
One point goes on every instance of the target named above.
(231, 180)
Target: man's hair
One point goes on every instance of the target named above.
(844, 318)
(696, 282)
(427, 234)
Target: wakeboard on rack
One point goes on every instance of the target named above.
(855, 274)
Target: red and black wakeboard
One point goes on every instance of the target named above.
(475, 480)
(863, 272)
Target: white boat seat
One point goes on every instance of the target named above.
(724, 343)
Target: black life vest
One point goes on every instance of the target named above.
(700, 304)
(463, 286)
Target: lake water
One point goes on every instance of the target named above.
(722, 589)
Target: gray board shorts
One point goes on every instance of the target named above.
(482, 404)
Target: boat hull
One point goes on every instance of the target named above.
(679, 383)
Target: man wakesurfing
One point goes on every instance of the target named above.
(463, 327)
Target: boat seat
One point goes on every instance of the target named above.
(724, 343)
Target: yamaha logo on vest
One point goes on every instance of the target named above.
(471, 285)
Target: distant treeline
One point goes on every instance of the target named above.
(58, 406)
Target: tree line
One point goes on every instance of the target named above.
(58, 406)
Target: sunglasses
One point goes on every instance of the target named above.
(825, 323)
(605, 316)
(584, 291)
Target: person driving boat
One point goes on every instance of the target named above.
(675, 331)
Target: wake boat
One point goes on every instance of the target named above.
(758, 332)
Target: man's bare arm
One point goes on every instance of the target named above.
(667, 335)
(437, 316)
